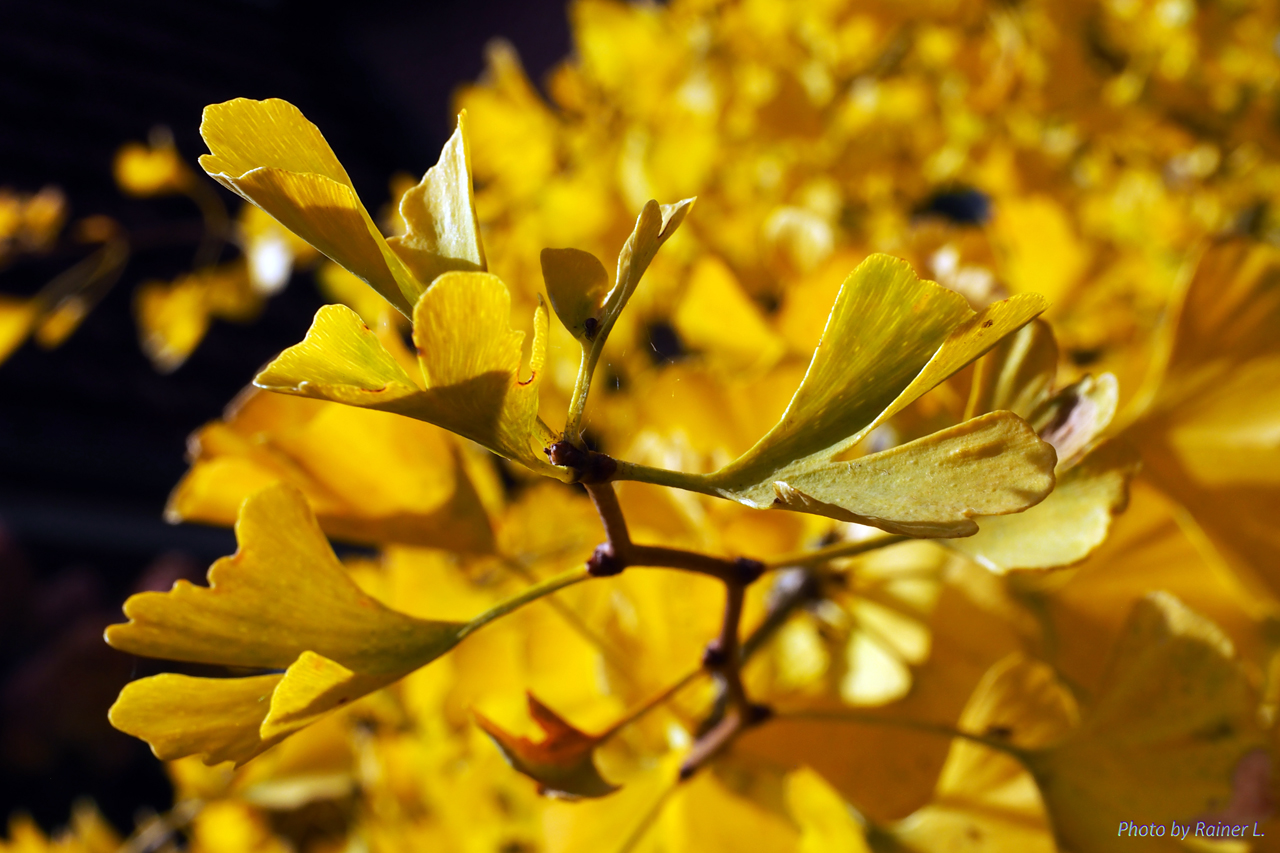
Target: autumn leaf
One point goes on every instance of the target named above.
(469, 360)
(562, 762)
(890, 338)
(333, 642)
(268, 153)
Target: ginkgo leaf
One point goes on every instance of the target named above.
(440, 214)
(1065, 527)
(654, 226)
(239, 620)
(933, 486)
(562, 763)
(215, 718)
(577, 284)
(282, 602)
(1175, 718)
(369, 476)
(985, 799)
(1206, 423)
(827, 824)
(716, 316)
(1018, 374)
(269, 154)
(469, 358)
(1092, 479)
(890, 338)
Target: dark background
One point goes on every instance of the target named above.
(91, 437)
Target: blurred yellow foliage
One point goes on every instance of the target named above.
(1068, 440)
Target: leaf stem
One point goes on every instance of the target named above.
(868, 719)
(582, 387)
(529, 595)
(807, 559)
(643, 709)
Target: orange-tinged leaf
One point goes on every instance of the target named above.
(562, 762)
(985, 799)
(1175, 718)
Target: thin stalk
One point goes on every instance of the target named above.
(533, 593)
(646, 822)
(660, 699)
(573, 620)
(581, 388)
(808, 559)
(940, 729)
(665, 477)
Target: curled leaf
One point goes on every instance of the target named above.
(440, 215)
(562, 763)
(654, 226)
(577, 284)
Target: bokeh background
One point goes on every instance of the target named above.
(92, 438)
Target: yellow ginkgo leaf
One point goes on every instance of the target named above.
(442, 232)
(1208, 420)
(1065, 527)
(562, 763)
(369, 476)
(151, 170)
(268, 153)
(469, 358)
(890, 338)
(238, 619)
(654, 226)
(933, 486)
(1175, 718)
(1018, 374)
(827, 824)
(577, 284)
(1092, 479)
(282, 602)
(215, 718)
(985, 799)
